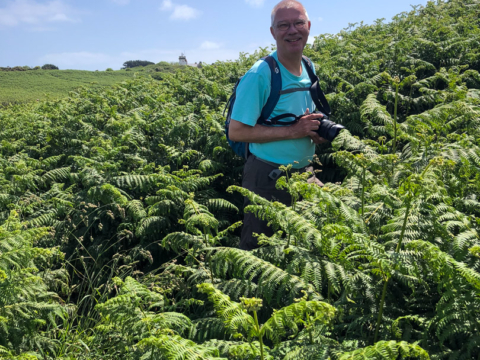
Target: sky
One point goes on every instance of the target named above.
(98, 34)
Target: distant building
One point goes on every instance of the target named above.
(182, 60)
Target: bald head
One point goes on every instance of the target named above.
(287, 4)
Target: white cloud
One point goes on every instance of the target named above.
(41, 29)
(311, 40)
(34, 13)
(180, 12)
(166, 5)
(59, 17)
(184, 12)
(209, 45)
(120, 2)
(320, 19)
(255, 3)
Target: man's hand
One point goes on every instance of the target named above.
(307, 126)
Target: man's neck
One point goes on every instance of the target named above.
(292, 63)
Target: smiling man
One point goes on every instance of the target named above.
(272, 146)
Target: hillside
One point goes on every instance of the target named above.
(24, 86)
(120, 210)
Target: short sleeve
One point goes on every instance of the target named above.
(252, 94)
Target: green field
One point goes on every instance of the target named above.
(25, 86)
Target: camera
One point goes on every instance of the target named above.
(328, 129)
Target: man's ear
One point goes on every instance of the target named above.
(309, 25)
(272, 32)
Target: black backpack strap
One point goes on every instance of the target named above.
(276, 87)
(318, 96)
(231, 100)
(309, 66)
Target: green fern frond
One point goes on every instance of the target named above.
(433, 255)
(387, 350)
(152, 225)
(235, 317)
(136, 210)
(238, 350)
(176, 348)
(57, 175)
(273, 282)
(180, 241)
(286, 320)
(206, 329)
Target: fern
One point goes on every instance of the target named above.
(175, 347)
(387, 350)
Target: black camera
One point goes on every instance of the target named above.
(328, 129)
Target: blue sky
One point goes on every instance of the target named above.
(97, 34)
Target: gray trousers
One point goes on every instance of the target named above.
(256, 179)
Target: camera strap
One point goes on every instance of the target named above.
(316, 92)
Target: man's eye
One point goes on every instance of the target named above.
(300, 24)
(283, 26)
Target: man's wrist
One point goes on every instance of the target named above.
(286, 132)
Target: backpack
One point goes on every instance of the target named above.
(242, 148)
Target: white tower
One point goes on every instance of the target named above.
(182, 59)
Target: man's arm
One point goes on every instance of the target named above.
(306, 126)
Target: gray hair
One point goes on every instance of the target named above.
(287, 4)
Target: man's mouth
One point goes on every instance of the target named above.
(293, 40)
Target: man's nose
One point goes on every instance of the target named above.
(292, 29)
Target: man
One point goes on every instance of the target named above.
(272, 146)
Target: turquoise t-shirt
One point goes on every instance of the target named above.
(252, 94)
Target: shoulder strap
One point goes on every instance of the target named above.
(276, 86)
(318, 96)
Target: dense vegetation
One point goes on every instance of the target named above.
(49, 67)
(120, 213)
(135, 63)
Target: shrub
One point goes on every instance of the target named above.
(135, 63)
(109, 69)
(49, 67)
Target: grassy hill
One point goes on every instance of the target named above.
(23, 86)
(30, 85)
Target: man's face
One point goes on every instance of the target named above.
(293, 39)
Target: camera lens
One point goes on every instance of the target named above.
(329, 130)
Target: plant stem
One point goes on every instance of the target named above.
(260, 336)
(363, 191)
(329, 291)
(310, 330)
(407, 212)
(380, 311)
(395, 120)
(382, 301)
